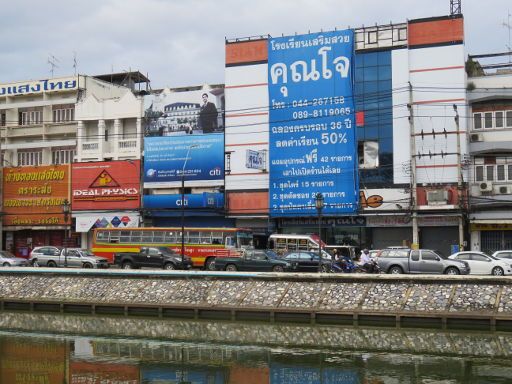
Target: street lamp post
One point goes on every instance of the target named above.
(319, 204)
(65, 210)
(183, 205)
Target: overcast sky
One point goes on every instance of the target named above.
(181, 42)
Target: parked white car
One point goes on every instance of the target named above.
(482, 264)
(505, 255)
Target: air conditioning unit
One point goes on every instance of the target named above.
(437, 197)
(486, 186)
(504, 190)
(475, 137)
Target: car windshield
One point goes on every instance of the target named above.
(271, 254)
(441, 255)
(86, 252)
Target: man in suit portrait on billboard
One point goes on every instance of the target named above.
(207, 115)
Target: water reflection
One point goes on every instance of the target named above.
(74, 357)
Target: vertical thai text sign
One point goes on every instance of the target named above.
(313, 145)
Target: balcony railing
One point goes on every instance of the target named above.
(127, 144)
(91, 146)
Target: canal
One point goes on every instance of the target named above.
(43, 348)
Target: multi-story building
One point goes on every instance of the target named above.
(106, 173)
(490, 144)
(39, 131)
(408, 91)
(184, 157)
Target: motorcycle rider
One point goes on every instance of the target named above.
(366, 261)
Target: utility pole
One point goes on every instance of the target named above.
(459, 179)
(415, 235)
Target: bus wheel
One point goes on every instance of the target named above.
(210, 264)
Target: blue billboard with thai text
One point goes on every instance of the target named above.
(197, 159)
(313, 146)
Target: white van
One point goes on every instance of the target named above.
(281, 243)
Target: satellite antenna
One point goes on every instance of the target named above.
(52, 60)
(75, 62)
(508, 25)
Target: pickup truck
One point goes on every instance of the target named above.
(252, 260)
(152, 257)
(51, 256)
(425, 261)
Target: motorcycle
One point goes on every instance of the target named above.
(347, 265)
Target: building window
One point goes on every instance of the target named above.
(30, 157)
(477, 120)
(372, 37)
(62, 113)
(479, 173)
(3, 119)
(500, 172)
(490, 172)
(499, 118)
(368, 154)
(62, 156)
(30, 117)
(509, 172)
(402, 34)
(227, 164)
(488, 120)
(509, 119)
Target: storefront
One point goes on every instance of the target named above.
(491, 231)
(347, 230)
(439, 232)
(33, 201)
(105, 195)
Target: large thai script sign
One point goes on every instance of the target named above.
(39, 86)
(196, 158)
(106, 185)
(313, 148)
(35, 195)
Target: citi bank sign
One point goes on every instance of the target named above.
(47, 85)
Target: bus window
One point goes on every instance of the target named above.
(291, 244)
(229, 241)
(303, 245)
(280, 243)
(147, 237)
(114, 237)
(170, 237)
(158, 237)
(136, 236)
(193, 237)
(124, 237)
(206, 237)
(102, 236)
(216, 237)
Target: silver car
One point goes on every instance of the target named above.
(51, 256)
(7, 259)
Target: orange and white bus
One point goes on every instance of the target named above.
(203, 245)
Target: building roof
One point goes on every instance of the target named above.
(121, 77)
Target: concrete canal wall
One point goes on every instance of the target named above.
(223, 334)
(443, 301)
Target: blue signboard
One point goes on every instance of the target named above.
(194, 200)
(313, 147)
(165, 157)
